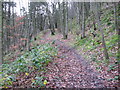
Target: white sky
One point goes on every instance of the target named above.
(20, 4)
(24, 3)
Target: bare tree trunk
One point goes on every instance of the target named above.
(66, 30)
(117, 22)
(83, 20)
(1, 38)
(65, 25)
(117, 28)
(1, 34)
(115, 17)
(94, 24)
(4, 38)
(101, 30)
(51, 25)
(60, 16)
(28, 34)
(78, 18)
(64, 20)
(52, 19)
(8, 29)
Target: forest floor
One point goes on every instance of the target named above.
(68, 69)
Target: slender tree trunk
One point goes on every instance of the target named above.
(53, 17)
(94, 24)
(117, 23)
(1, 34)
(117, 28)
(4, 38)
(1, 38)
(28, 34)
(101, 30)
(83, 20)
(78, 18)
(51, 23)
(52, 20)
(63, 20)
(34, 21)
(8, 29)
(13, 25)
(115, 17)
(66, 30)
(59, 13)
(65, 27)
(52, 28)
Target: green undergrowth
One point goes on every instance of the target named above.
(36, 59)
(91, 47)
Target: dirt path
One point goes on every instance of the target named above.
(69, 69)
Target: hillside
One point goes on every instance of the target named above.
(76, 45)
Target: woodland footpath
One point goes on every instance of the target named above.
(60, 45)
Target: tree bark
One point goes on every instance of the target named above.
(66, 29)
(117, 28)
(1, 34)
(60, 17)
(83, 20)
(51, 25)
(78, 18)
(63, 20)
(65, 26)
(101, 30)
